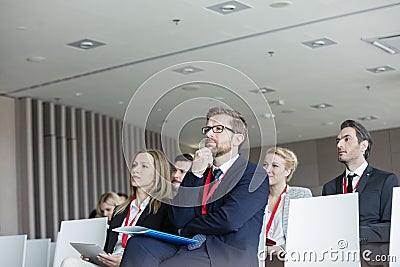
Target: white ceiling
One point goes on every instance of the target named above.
(142, 41)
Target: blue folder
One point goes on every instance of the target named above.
(140, 230)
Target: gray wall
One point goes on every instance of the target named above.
(8, 176)
(57, 160)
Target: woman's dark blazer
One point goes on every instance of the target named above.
(159, 221)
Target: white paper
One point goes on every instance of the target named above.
(323, 231)
(394, 251)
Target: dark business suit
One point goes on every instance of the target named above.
(232, 224)
(375, 191)
(158, 221)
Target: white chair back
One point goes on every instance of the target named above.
(12, 250)
(85, 231)
(394, 250)
(51, 253)
(319, 226)
(37, 252)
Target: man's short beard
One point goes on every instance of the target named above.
(222, 151)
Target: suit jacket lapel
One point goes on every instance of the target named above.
(234, 174)
(143, 216)
(119, 218)
(339, 183)
(364, 179)
(115, 222)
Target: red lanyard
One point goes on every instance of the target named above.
(345, 185)
(207, 194)
(271, 218)
(125, 236)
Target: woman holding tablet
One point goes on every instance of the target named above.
(150, 185)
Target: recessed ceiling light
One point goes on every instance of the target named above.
(121, 102)
(384, 47)
(265, 90)
(321, 106)
(329, 123)
(86, 44)
(368, 118)
(322, 42)
(268, 115)
(21, 28)
(228, 7)
(78, 94)
(380, 69)
(188, 70)
(35, 58)
(390, 44)
(279, 4)
(279, 102)
(262, 90)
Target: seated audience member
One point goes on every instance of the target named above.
(229, 195)
(150, 185)
(182, 165)
(123, 196)
(374, 188)
(280, 164)
(107, 203)
(105, 206)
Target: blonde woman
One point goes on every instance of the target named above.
(150, 185)
(106, 205)
(280, 164)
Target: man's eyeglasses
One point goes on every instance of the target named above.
(216, 129)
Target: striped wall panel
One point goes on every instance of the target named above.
(68, 157)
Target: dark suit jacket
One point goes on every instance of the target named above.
(234, 215)
(158, 221)
(375, 202)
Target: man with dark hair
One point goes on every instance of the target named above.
(220, 203)
(374, 186)
(182, 165)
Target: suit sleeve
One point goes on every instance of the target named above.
(324, 190)
(380, 232)
(306, 193)
(239, 207)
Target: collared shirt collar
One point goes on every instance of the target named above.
(142, 206)
(225, 167)
(359, 171)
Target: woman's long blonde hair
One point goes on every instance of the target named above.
(110, 198)
(161, 189)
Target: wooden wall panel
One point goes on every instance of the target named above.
(69, 157)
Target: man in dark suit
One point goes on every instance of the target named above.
(224, 211)
(374, 188)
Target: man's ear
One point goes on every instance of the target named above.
(364, 145)
(238, 139)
